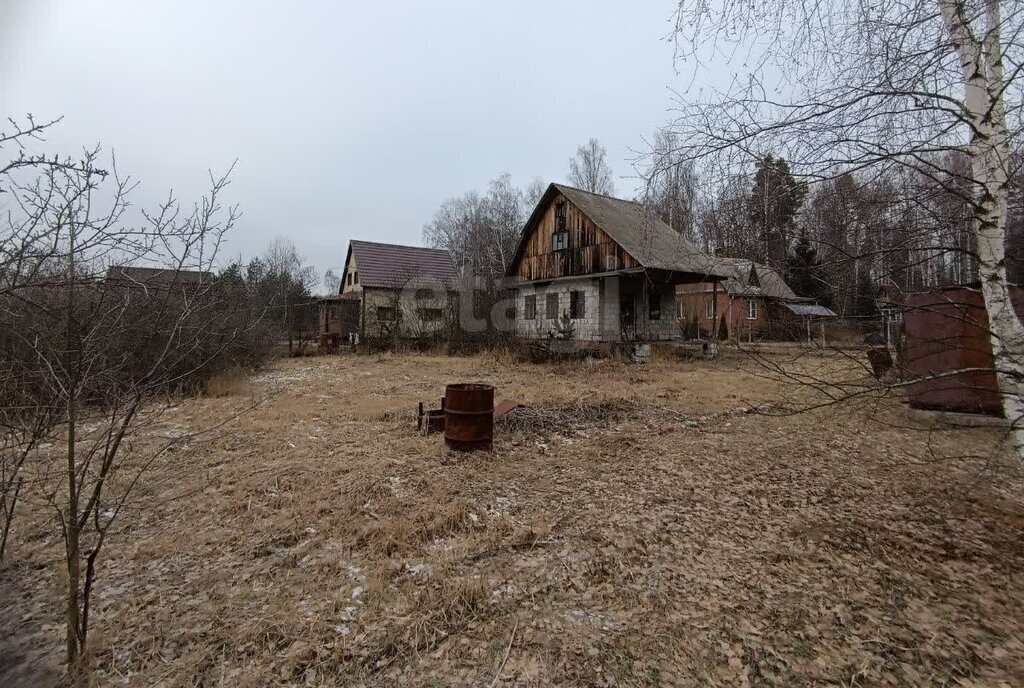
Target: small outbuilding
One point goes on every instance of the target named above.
(946, 350)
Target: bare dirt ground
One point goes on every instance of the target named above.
(647, 528)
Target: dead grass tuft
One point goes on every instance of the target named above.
(578, 415)
(231, 382)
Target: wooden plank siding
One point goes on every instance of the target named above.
(589, 249)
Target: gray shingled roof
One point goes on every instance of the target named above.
(811, 309)
(767, 282)
(390, 266)
(638, 230)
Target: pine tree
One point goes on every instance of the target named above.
(773, 205)
(806, 274)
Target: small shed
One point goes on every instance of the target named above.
(339, 319)
(947, 352)
(810, 314)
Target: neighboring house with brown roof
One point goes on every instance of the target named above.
(158, 278)
(752, 299)
(390, 291)
(610, 265)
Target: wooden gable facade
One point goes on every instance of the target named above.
(563, 242)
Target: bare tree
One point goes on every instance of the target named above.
(332, 281)
(534, 190)
(838, 87)
(93, 346)
(461, 227)
(589, 170)
(481, 232)
(672, 188)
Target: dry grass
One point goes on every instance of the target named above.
(231, 382)
(636, 526)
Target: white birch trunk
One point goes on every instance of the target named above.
(981, 60)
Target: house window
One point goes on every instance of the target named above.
(751, 309)
(350, 279)
(355, 277)
(423, 294)
(654, 307)
(577, 305)
(429, 314)
(552, 306)
(560, 217)
(710, 309)
(387, 313)
(530, 307)
(560, 241)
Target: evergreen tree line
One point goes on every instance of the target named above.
(839, 239)
(279, 285)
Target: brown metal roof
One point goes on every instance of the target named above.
(390, 266)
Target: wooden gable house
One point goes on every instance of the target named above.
(606, 265)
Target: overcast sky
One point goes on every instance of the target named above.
(348, 119)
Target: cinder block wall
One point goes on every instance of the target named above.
(601, 318)
(588, 327)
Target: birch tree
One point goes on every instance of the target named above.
(840, 86)
(589, 170)
(672, 190)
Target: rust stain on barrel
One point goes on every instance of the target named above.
(469, 416)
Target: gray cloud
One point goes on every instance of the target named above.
(348, 119)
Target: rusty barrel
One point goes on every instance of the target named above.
(468, 416)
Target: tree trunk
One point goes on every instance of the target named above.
(72, 534)
(7, 508)
(989, 155)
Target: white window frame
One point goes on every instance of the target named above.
(710, 309)
(751, 309)
(559, 241)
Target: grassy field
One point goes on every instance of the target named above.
(663, 525)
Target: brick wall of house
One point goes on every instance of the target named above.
(694, 300)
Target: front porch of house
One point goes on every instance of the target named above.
(622, 306)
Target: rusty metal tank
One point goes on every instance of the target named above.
(947, 351)
(469, 416)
